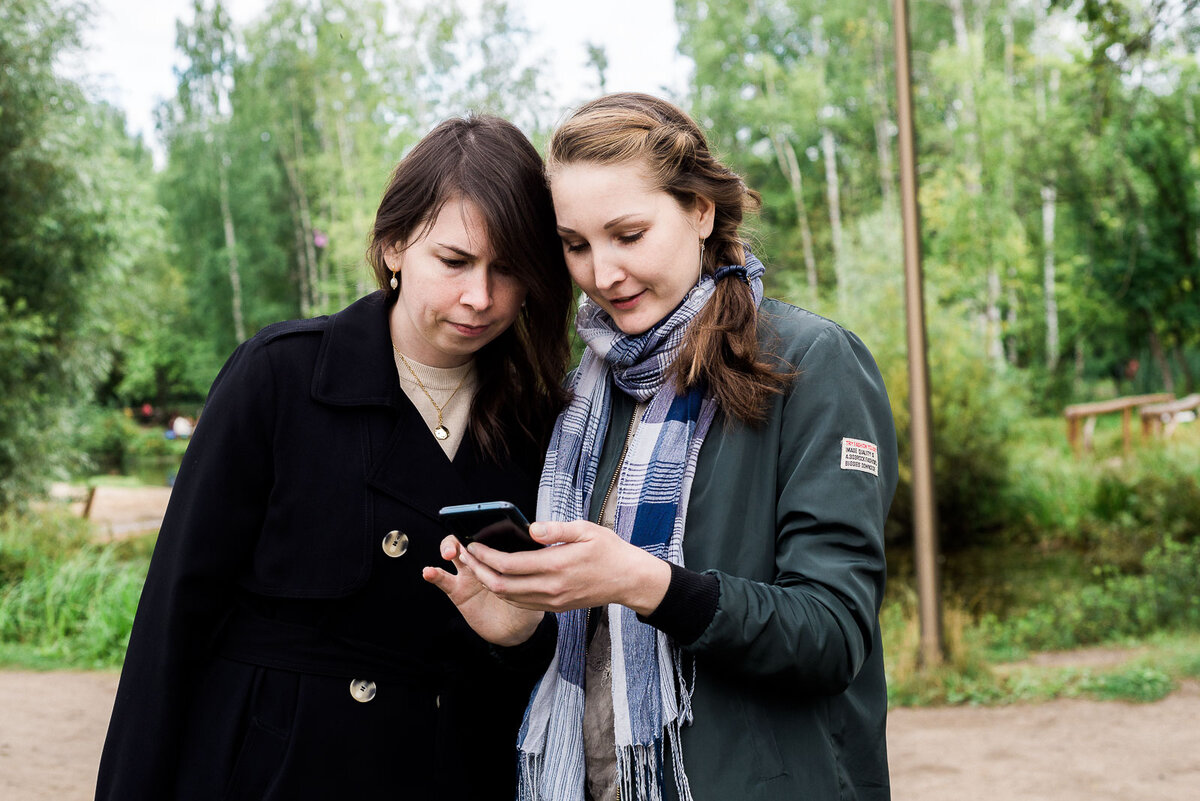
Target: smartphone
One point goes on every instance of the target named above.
(496, 524)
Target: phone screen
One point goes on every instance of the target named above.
(497, 524)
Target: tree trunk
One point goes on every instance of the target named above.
(1047, 94)
(833, 198)
(1049, 277)
(319, 297)
(1189, 114)
(973, 165)
(1160, 359)
(1189, 380)
(829, 151)
(883, 119)
(1010, 194)
(235, 273)
(1080, 364)
(302, 273)
(306, 257)
(995, 341)
(357, 220)
(790, 166)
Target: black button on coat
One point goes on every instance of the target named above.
(270, 592)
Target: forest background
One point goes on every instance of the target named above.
(1060, 197)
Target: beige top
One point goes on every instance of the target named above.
(441, 382)
(599, 727)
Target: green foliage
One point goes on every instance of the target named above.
(103, 436)
(73, 229)
(64, 600)
(1163, 596)
(110, 440)
(975, 672)
(1140, 684)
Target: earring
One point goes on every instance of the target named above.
(701, 255)
(394, 283)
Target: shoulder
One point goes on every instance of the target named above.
(288, 334)
(290, 344)
(790, 332)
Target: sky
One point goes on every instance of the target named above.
(129, 52)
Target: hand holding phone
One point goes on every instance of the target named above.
(496, 524)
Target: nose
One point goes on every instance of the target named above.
(607, 270)
(477, 288)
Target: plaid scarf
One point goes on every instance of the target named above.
(651, 699)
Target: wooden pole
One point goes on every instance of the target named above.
(924, 513)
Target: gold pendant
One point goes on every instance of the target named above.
(442, 433)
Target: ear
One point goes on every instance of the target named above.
(393, 258)
(704, 213)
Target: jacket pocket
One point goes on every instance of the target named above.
(766, 759)
(264, 748)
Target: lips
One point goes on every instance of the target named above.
(469, 330)
(626, 302)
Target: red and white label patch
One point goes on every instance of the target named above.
(858, 454)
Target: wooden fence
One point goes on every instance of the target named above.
(1088, 412)
(1164, 416)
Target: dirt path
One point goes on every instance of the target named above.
(52, 726)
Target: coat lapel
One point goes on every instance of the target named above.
(355, 367)
(412, 467)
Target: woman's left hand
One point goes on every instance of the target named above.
(589, 565)
(492, 618)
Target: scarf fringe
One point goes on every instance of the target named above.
(529, 771)
(639, 771)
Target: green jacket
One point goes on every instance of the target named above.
(790, 700)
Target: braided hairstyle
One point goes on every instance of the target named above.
(721, 349)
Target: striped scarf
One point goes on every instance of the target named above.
(651, 699)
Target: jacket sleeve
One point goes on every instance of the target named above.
(814, 623)
(206, 542)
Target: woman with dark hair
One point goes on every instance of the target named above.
(715, 491)
(285, 645)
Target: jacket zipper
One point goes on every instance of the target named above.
(620, 463)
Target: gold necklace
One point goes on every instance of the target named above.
(441, 432)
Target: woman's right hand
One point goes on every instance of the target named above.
(492, 618)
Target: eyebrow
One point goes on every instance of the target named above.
(464, 253)
(610, 224)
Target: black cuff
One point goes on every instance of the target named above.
(688, 607)
(534, 655)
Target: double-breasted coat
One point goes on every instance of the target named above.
(285, 645)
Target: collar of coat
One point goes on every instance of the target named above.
(356, 343)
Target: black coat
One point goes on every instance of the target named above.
(272, 601)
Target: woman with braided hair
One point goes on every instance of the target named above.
(715, 495)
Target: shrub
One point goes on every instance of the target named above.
(103, 436)
(65, 600)
(1119, 606)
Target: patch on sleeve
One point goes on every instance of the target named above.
(861, 455)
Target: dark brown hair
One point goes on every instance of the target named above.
(489, 161)
(721, 349)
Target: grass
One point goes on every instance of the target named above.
(64, 600)
(1138, 669)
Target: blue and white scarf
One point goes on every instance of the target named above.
(650, 695)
